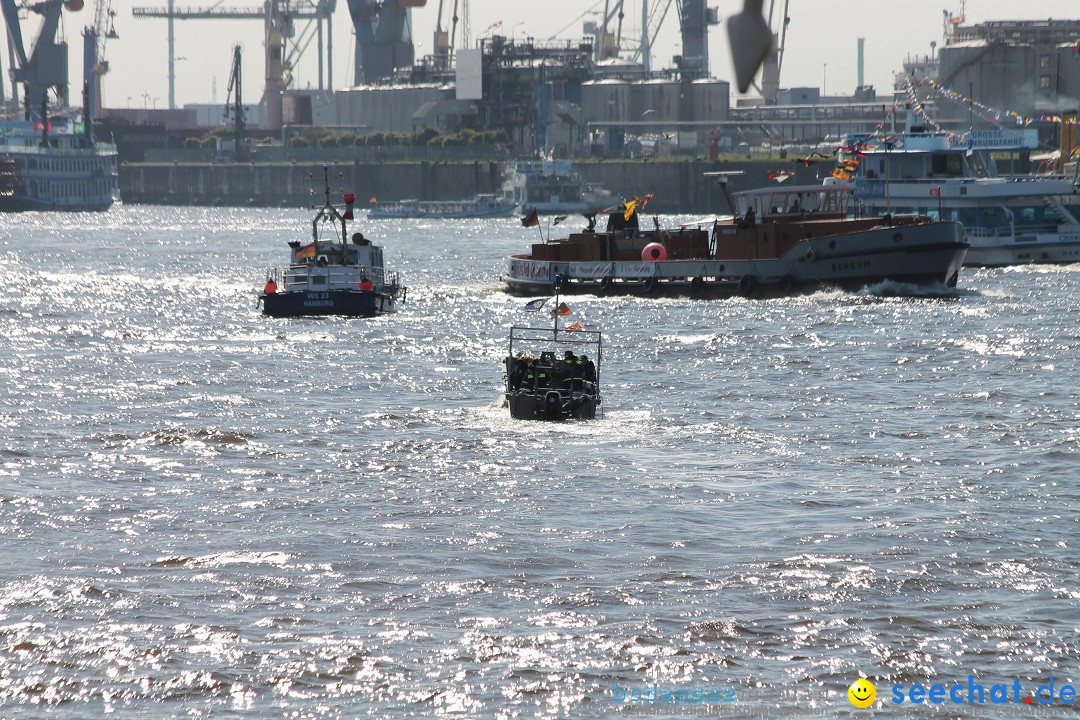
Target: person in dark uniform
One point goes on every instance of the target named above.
(572, 370)
(589, 369)
(749, 218)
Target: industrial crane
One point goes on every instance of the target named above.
(952, 22)
(95, 65)
(234, 106)
(45, 68)
(383, 37)
(284, 45)
(445, 41)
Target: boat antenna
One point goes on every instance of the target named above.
(887, 142)
(555, 312)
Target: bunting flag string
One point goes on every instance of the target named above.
(991, 114)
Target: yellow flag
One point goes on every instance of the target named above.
(630, 209)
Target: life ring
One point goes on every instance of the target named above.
(650, 284)
(653, 252)
(747, 284)
(696, 284)
(811, 256)
(786, 285)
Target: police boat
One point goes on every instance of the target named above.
(334, 274)
(553, 373)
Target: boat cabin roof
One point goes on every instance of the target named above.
(825, 199)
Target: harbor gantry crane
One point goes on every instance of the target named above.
(95, 65)
(234, 105)
(284, 46)
(44, 68)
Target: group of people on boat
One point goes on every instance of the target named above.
(572, 372)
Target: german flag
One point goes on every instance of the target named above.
(531, 220)
(307, 251)
(562, 311)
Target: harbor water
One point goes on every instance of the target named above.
(208, 513)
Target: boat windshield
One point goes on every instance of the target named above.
(804, 200)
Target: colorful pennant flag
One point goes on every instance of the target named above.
(562, 310)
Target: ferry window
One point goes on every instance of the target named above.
(948, 164)
(318, 279)
(1027, 216)
(1044, 61)
(994, 217)
(1053, 217)
(968, 216)
(1044, 81)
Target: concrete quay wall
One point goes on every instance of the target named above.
(677, 187)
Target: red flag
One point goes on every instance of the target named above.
(574, 327)
(935, 192)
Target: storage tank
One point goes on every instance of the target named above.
(710, 100)
(661, 97)
(386, 108)
(605, 101)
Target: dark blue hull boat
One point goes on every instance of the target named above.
(355, 303)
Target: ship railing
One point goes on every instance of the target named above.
(97, 149)
(296, 280)
(531, 339)
(990, 232)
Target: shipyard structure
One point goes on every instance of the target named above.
(603, 95)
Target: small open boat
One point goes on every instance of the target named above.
(549, 372)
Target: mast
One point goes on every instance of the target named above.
(555, 325)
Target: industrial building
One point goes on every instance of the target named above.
(1029, 67)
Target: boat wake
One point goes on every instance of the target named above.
(890, 288)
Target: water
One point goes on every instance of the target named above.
(205, 512)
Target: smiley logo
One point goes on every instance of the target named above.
(862, 693)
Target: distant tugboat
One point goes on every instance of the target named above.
(331, 276)
(775, 242)
(545, 378)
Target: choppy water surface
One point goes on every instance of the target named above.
(205, 511)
